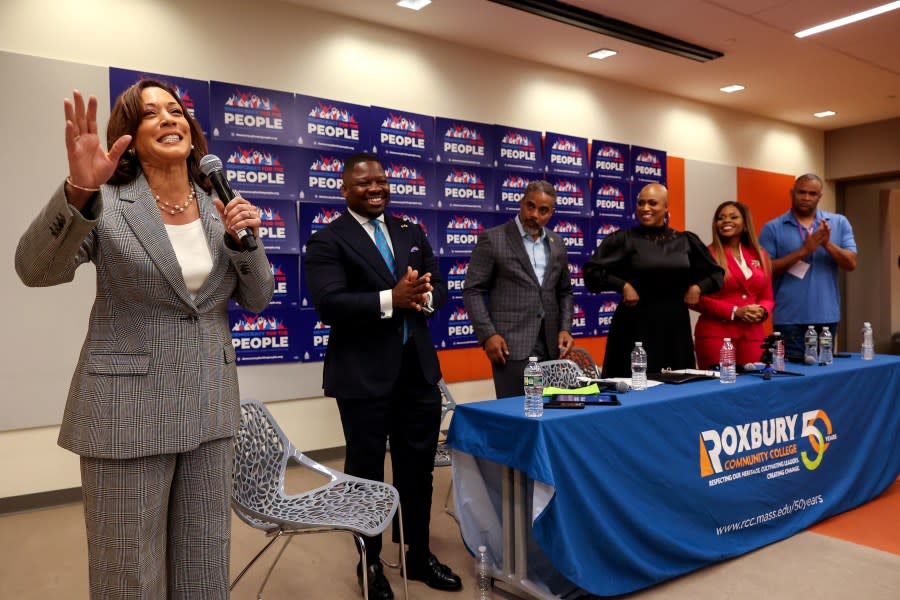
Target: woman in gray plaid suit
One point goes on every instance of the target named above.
(153, 403)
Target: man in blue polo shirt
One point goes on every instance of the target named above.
(807, 247)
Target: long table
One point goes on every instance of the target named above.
(615, 499)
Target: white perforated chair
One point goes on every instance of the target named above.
(561, 373)
(583, 359)
(361, 507)
(442, 457)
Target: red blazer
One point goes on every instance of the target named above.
(715, 309)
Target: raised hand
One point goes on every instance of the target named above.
(90, 165)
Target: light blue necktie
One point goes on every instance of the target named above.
(382, 245)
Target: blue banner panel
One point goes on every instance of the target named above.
(604, 226)
(566, 154)
(314, 217)
(464, 142)
(401, 133)
(612, 198)
(413, 182)
(457, 232)
(286, 271)
(454, 271)
(572, 195)
(509, 188)
(259, 170)
(450, 327)
(464, 188)
(576, 272)
(519, 149)
(240, 113)
(610, 159)
(573, 231)
(582, 311)
(271, 336)
(602, 310)
(426, 219)
(320, 175)
(313, 334)
(194, 93)
(331, 124)
(648, 164)
(279, 232)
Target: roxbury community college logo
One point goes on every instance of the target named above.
(772, 447)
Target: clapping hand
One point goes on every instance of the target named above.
(411, 289)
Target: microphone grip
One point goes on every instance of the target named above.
(226, 195)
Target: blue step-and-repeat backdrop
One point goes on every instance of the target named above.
(455, 178)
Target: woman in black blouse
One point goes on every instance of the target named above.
(660, 272)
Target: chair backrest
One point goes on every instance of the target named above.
(562, 373)
(261, 451)
(583, 359)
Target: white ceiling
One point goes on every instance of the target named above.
(854, 70)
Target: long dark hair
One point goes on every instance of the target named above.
(126, 116)
(748, 236)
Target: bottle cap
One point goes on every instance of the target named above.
(638, 344)
(726, 340)
(482, 549)
(867, 324)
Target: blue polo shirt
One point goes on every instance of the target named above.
(814, 298)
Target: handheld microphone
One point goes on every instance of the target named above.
(607, 385)
(211, 166)
(613, 386)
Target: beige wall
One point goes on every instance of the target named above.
(280, 46)
(866, 150)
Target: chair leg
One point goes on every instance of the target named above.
(447, 502)
(402, 554)
(361, 545)
(272, 568)
(255, 558)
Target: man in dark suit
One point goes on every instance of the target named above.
(518, 293)
(374, 279)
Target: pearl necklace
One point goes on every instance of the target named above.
(174, 209)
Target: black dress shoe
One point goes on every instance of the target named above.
(379, 588)
(428, 568)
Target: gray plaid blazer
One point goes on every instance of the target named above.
(502, 294)
(156, 373)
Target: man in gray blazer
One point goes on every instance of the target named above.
(518, 293)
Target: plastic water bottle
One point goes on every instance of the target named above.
(483, 575)
(727, 362)
(778, 355)
(534, 388)
(826, 355)
(868, 342)
(638, 367)
(811, 346)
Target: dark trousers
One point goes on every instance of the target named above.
(509, 378)
(410, 415)
(793, 336)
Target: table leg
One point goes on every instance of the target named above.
(513, 574)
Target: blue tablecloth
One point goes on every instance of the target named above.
(681, 476)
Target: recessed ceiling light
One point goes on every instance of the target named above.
(824, 113)
(872, 12)
(414, 4)
(602, 53)
(730, 89)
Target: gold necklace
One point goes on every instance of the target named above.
(174, 209)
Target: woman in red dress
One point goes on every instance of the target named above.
(739, 309)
